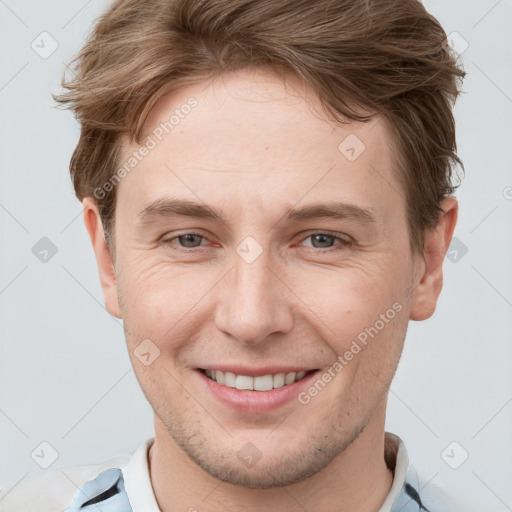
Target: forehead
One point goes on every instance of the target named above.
(248, 138)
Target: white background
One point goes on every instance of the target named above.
(65, 376)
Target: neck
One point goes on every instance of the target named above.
(358, 480)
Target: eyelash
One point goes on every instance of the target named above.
(344, 242)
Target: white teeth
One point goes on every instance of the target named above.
(279, 380)
(290, 377)
(220, 377)
(261, 383)
(244, 382)
(229, 379)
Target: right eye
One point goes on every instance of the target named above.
(186, 241)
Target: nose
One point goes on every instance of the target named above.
(254, 302)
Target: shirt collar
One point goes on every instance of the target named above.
(138, 488)
(397, 461)
(137, 481)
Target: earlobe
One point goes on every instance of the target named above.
(429, 281)
(104, 261)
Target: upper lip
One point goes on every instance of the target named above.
(256, 372)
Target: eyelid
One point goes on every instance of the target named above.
(335, 234)
(164, 240)
(344, 239)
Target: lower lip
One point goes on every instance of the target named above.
(256, 401)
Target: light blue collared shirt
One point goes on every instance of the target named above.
(123, 484)
(108, 490)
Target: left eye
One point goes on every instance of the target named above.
(326, 240)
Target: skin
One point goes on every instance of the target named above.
(252, 148)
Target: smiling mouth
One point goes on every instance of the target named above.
(260, 383)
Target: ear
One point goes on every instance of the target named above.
(106, 268)
(429, 280)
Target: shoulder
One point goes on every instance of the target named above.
(430, 497)
(410, 492)
(53, 490)
(436, 499)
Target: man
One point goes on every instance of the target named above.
(267, 189)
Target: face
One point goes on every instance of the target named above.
(258, 239)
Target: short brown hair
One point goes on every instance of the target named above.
(388, 57)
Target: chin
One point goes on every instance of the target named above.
(262, 466)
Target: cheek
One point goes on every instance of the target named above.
(361, 313)
(152, 295)
(351, 298)
(169, 304)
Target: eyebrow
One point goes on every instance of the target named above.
(186, 208)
